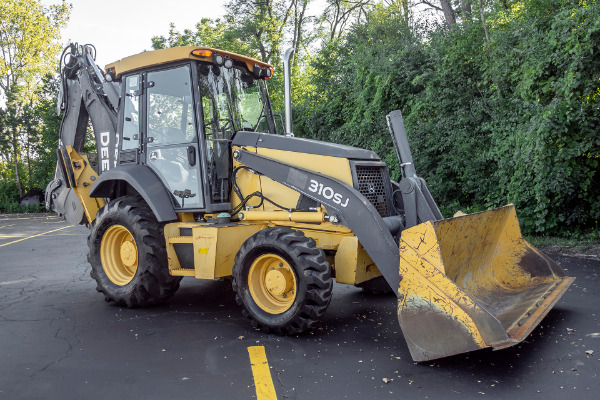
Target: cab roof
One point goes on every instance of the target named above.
(163, 56)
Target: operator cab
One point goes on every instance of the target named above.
(181, 109)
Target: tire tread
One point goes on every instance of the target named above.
(313, 269)
(153, 284)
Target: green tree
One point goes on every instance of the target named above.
(261, 25)
(29, 43)
(544, 76)
(44, 125)
(210, 33)
(258, 29)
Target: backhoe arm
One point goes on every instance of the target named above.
(85, 96)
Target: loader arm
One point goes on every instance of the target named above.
(419, 205)
(85, 96)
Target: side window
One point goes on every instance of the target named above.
(131, 124)
(251, 105)
(170, 107)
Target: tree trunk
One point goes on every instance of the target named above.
(15, 144)
(448, 12)
(28, 158)
(298, 25)
(405, 9)
(487, 36)
(465, 8)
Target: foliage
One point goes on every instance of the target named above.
(500, 99)
(9, 200)
(28, 40)
(545, 57)
(209, 33)
(42, 125)
(29, 43)
(510, 120)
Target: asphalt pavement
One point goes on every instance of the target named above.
(59, 339)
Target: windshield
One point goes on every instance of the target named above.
(233, 101)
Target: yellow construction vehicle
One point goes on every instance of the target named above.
(193, 177)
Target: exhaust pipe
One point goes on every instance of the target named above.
(287, 89)
(400, 139)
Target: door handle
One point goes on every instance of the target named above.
(154, 155)
(191, 153)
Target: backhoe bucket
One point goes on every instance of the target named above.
(472, 282)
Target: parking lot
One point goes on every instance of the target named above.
(59, 339)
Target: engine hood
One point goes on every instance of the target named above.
(301, 145)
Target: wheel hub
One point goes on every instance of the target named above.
(128, 254)
(119, 255)
(279, 281)
(272, 283)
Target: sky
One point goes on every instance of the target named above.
(124, 27)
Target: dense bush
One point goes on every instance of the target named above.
(514, 119)
(545, 59)
(9, 200)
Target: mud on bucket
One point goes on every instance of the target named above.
(472, 282)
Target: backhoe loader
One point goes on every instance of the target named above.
(193, 177)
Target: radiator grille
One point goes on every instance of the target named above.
(372, 184)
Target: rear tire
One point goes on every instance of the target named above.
(282, 280)
(128, 256)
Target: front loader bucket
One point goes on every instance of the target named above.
(473, 282)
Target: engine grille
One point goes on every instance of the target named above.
(372, 182)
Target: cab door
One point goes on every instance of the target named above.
(171, 139)
(130, 122)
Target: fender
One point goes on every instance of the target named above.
(144, 181)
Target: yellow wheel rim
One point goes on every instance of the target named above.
(119, 255)
(272, 283)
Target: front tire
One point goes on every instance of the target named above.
(282, 280)
(127, 254)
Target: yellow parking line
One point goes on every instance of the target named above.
(23, 235)
(262, 374)
(40, 234)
